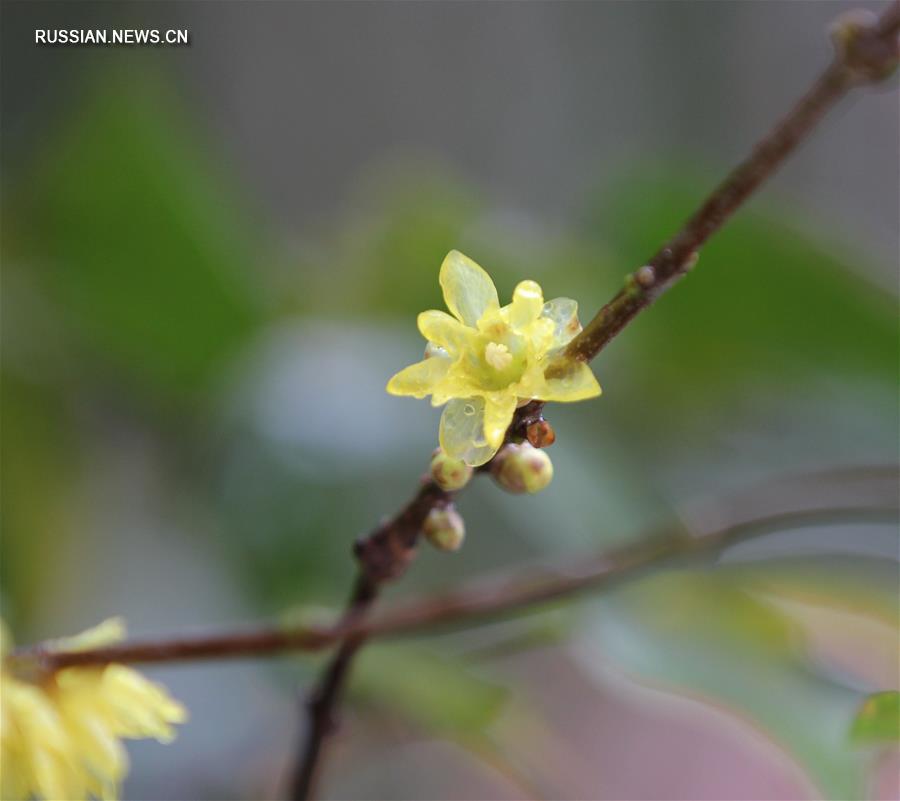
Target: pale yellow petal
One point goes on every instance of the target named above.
(89, 730)
(444, 330)
(527, 304)
(468, 290)
(34, 715)
(540, 338)
(498, 414)
(60, 739)
(439, 398)
(462, 431)
(47, 754)
(568, 381)
(14, 776)
(54, 775)
(136, 707)
(419, 379)
(109, 631)
(564, 314)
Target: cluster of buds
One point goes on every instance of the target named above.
(518, 468)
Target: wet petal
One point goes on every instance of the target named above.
(419, 379)
(462, 431)
(568, 381)
(564, 314)
(444, 330)
(468, 290)
(527, 304)
(498, 414)
(434, 351)
(540, 337)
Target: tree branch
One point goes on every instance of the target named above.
(494, 595)
(866, 50)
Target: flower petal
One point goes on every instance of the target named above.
(419, 379)
(462, 431)
(444, 330)
(568, 381)
(468, 290)
(498, 414)
(527, 304)
(564, 314)
(109, 631)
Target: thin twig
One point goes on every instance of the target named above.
(326, 698)
(864, 54)
(382, 556)
(494, 595)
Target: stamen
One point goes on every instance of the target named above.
(497, 355)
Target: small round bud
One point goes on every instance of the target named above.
(646, 276)
(449, 473)
(540, 434)
(444, 529)
(522, 468)
(866, 53)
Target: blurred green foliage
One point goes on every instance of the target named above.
(766, 304)
(126, 227)
(440, 694)
(878, 719)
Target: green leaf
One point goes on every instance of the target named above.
(37, 463)
(704, 634)
(766, 303)
(135, 240)
(437, 691)
(878, 719)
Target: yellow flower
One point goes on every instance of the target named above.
(485, 360)
(60, 734)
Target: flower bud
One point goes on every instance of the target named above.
(864, 52)
(522, 468)
(449, 473)
(444, 529)
(540, 434)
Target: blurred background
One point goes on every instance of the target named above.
(212, 258)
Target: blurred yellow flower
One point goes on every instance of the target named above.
(485, 360)
(60, 734)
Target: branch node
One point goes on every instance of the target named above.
(646, 276)
(867, 47)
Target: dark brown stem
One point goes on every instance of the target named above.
(325, 698)
(497, 595)
(866, 51)
(491, 596)
(383, 556)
